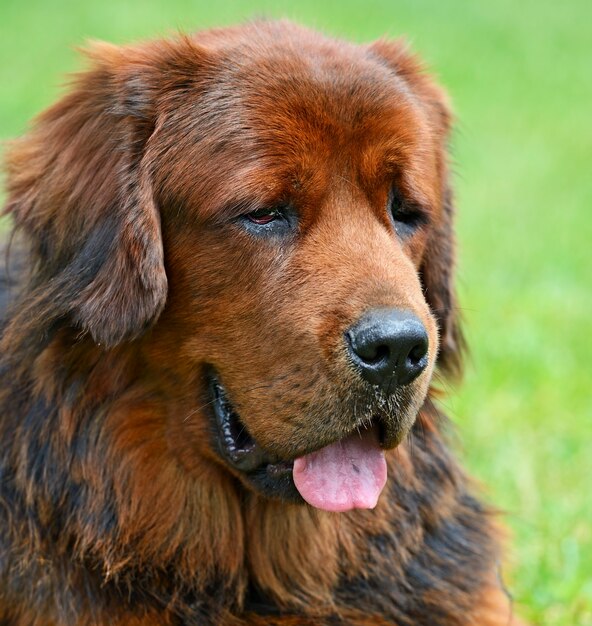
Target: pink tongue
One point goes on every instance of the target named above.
(345, 475)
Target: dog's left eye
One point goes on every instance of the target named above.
(407, 218)
(264, 216)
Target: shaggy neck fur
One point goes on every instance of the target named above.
(90, 477)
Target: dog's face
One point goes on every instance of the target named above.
(291, 190)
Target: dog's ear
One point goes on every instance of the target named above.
(438, 267)
(79, 186)
(437, 275)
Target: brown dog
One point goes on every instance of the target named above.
(237, 287)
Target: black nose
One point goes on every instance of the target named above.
(389, 346)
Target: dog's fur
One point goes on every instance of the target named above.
(115, 507)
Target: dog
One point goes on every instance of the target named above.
(233, 294)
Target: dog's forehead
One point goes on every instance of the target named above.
(321, 84)
(295, 106)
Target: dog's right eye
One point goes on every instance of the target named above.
(263, 216)
(270, 222)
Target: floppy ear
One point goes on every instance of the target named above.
(79, 187)
(438, 267)
(437, 275)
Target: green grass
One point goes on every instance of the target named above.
(520, 76)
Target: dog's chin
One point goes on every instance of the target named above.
(272, 475)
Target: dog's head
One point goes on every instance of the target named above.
(264, 213)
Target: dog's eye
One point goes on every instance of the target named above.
(270, 222)
(263, 216)
(407, 218)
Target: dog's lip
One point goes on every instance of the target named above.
(238, 447)
(234, 441)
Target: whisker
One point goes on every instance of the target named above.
(247, 390)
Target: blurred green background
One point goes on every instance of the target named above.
(520, 76)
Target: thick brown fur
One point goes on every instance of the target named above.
(114, 505)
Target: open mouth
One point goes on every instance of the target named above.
(345, 474)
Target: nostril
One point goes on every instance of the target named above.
(381, 353)
(367, 349)
(417, 354)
